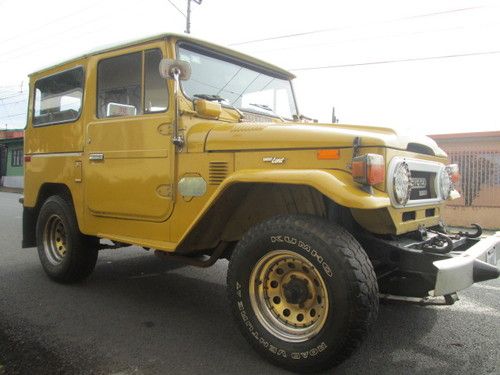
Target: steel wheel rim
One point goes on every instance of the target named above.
(55, 239)
(279, 282)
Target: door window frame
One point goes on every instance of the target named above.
(142, 51)
(82, 102)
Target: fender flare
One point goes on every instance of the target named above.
(334, 184)
(337, 185)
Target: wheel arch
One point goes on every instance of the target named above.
(243, 205)
(30, 214)
(250, 196)
(49, 189)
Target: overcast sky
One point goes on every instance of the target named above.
(431, 93)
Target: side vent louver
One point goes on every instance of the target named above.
(217, 172)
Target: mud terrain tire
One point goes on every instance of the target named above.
(322, 259)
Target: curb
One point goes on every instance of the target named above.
(4, 189)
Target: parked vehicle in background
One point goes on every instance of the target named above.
(200, 153)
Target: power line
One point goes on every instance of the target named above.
(8, 106)
(13, 96)
(347, 27)
(376, 37)
(11, 103)
(78, 12)
(397, 61)
(176, 7)
(14, 115)
(12, 53)
(68, 37)
(12, 88)
(9, 86)
(23, 48)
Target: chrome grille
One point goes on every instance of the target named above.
(423, 185)
(425, 176)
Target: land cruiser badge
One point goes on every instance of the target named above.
(273, 160)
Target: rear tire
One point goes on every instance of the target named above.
(303, 292)
(67, 255)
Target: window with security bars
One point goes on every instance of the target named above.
(17, 157)
(479, 183)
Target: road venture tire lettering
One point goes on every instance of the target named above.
(339, 261)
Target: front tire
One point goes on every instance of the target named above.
(67, 255)
(302, 291)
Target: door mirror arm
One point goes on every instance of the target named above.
(177, 139)
(176, 70)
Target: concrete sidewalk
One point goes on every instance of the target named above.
(11, 190)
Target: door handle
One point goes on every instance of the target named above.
(96, 157)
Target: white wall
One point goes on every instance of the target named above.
(13, 181)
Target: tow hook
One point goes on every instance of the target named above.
(479, 232)
(439, 243)
(442, 241)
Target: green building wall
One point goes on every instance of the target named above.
(14, 171)
(13, 176)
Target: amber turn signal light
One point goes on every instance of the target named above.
(328, 154)
(368, 169)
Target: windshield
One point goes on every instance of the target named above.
(243, 87)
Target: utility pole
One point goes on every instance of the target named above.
(335, 119)
(188, 14)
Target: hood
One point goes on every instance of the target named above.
(260, 136)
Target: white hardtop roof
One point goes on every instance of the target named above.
(123, 44)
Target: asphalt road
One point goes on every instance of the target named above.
(139, 315)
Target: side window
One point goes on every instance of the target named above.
(155, 87)
(58, 98)
(119, 86)
(121, 89)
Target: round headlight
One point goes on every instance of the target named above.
(445, 184)
(402, 183)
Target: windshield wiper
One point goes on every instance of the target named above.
(212, 98)
(263, 106)
(219, 99)
(267, 108)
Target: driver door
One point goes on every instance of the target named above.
(129, 155)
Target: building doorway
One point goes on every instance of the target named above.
(3, 162)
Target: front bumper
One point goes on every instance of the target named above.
(478, 263)
(406, 268)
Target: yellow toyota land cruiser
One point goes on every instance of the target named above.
(200, 153)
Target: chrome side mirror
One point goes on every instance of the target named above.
(169, 68)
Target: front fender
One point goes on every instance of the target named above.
(335, 184)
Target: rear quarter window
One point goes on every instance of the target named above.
(58, 98)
